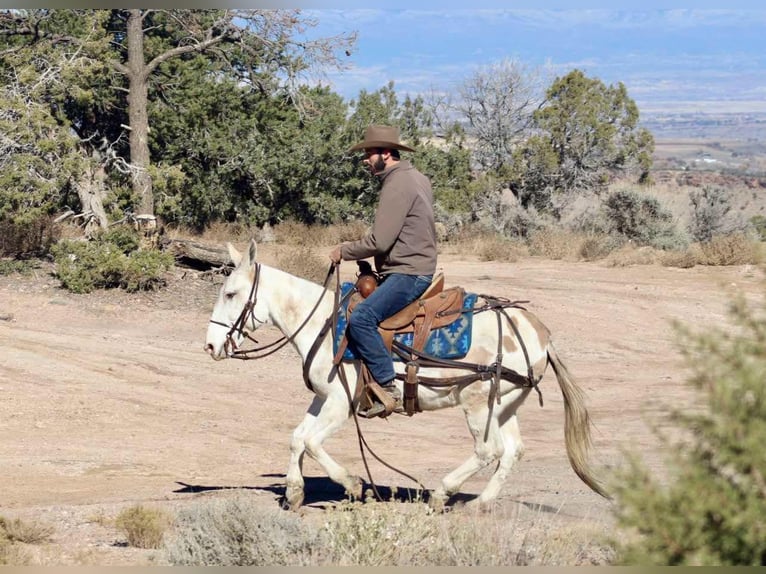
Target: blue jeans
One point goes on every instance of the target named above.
(393, 294)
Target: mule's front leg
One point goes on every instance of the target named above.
(294, 484)
(332, 414)
(324, 417)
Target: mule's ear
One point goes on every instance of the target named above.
(253, 250)
(236, 256)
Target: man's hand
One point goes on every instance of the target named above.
(335, 255)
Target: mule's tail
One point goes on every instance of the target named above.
(577, 424)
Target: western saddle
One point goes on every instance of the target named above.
(435, 308)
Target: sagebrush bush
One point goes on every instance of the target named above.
(22, 266)
(236, 531)
(595, 246)
(711, 510)
(711, 214)
(143, 527)
(642, 219)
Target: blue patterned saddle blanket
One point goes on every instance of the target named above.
(449, 342)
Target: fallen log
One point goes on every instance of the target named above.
(196, 255)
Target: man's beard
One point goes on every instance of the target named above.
(379, 165)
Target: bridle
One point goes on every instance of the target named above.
(248, 313)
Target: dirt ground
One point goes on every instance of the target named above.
(107, 400)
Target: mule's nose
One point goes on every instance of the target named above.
(210, 350)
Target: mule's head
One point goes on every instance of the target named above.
(238, 309)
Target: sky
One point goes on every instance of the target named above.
(679, 59)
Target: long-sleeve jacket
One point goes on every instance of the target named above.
(403, 236)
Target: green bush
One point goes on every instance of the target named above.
(711, 510)
(758, 222)
(84, 266)
(27, 238)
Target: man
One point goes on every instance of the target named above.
(403, 244)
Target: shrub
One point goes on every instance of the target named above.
(497, 248)
(144, 270)
(711, 509)
(83, 266)
(598, 246)
(236, 532)
(28, 238)
(17, 530)
(552, 243)
(710, 214)
(682, 259)
(734, 249)
(24, 267)
(640, 218)
(143, 527)
(758, 223)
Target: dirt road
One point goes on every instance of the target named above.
(107, 400)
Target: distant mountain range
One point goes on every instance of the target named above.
(736, 125)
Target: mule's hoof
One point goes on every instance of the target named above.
(293, 498)
(437, 502)
(355, 490)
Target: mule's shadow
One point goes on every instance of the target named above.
(320, 491)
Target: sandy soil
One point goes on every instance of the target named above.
(107, 400)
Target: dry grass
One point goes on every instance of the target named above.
(555, 244)
(302, 261)
(15, 534)
(237, 531)
(735, 249)
(630, 254)
(26, 532)
(143, 527)
(297, 247)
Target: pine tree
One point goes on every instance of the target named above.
(711, 511)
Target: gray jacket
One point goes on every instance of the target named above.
(403, 236)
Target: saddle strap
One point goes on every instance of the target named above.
(411, 403)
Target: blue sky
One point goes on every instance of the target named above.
(691, 59)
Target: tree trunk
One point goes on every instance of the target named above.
(196, 255)
(91, 191)
(138, 97)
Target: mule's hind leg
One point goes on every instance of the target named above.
(502, 442)
(485, 452)
(322, 420)
(513, 451)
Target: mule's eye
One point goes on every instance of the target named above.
(229, 295)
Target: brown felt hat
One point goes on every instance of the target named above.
(381, 136)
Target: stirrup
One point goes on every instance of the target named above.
(389, 401)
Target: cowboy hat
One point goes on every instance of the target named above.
(386, 137)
